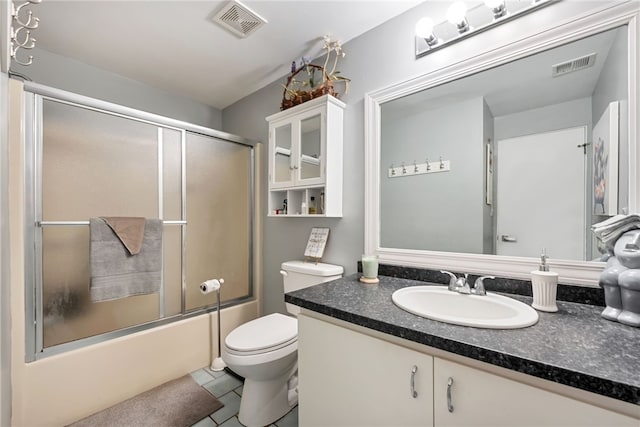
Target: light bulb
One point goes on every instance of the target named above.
(497, 7)
(457, 12)
(424, 28)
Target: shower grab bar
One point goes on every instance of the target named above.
(56, 223)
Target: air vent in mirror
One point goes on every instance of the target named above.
(573, 65)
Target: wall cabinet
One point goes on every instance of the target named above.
(348, 378)
(305, 159)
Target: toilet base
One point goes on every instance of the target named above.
(264, 402)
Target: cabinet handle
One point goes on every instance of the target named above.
(449, 402)
(414, 393)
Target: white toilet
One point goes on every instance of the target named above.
(265, 350)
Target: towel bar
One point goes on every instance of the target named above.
(57, 223)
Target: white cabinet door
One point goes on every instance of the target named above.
(310, 154)
(297, 148)
(350, 379)
(482, 399)
(281, 155)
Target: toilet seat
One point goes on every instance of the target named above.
(261, 335)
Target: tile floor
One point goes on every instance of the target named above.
(228, 389)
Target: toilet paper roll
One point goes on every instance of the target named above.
(210, 285)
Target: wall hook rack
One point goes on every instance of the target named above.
(22, 22)
(419, 168)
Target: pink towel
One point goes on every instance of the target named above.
(129, 229)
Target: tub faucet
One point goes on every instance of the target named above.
(458, 284)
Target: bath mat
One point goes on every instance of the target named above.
(178, 403)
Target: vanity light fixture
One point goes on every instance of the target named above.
(484, 16)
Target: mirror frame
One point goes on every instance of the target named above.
(571, 272)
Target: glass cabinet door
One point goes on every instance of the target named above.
(311, 156)
(282, 155)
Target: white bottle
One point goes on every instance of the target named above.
(544, 285)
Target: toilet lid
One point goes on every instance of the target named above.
(263, 332)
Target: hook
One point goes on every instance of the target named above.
(441, 164)
(428, 165)
(25, 41)
(415, 167)
(15, 59)
(27, 38)
(28, 24)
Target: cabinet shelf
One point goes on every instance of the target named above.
(283, 151)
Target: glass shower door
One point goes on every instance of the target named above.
(97, 164)
(219, 188)
(88, 159)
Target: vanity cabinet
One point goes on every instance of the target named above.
(464, 396)
(349, 378)
(305, 159)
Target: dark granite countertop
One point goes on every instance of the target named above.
(574, 346)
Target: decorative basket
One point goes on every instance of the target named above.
(297, 92)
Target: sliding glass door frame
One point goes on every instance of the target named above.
(35, 95)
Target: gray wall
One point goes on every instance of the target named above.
(378, 58)
(68, 74)
(438, 211)
(553, 117)
(286, 238)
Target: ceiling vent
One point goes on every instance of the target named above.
(238, 19)
(573, 65)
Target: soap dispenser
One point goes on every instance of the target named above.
(545, 285)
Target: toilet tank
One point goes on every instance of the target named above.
(300, 274)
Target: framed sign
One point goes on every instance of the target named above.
(317, 242)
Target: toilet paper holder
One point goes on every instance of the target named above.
(213, 285)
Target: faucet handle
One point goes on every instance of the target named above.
(452, 279)
(478, 286)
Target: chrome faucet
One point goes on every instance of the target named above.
(461, 284)
(458, 284)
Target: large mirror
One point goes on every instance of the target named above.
(507, 161)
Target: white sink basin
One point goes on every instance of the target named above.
(488, 311)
